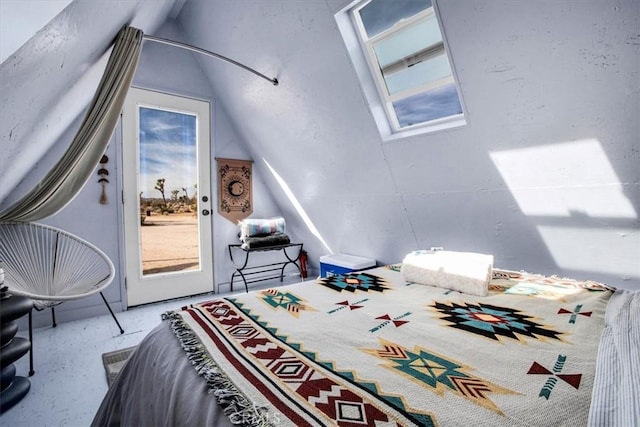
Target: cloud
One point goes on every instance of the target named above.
(380, 15)
(167, 150)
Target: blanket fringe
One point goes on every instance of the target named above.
(240, 410)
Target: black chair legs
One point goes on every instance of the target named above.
(112, 314)
(31, 371)
(53, 317)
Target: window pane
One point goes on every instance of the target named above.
(435, 104)
(167, 190)
(408, 41)
(425, 72)
(380, 15)
(410, 75)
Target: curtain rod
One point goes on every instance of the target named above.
(209, 53)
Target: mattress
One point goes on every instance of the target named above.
(368, 348)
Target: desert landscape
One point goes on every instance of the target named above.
(169, 242)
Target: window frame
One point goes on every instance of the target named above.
(361, 50)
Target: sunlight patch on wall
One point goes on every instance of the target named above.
(576, 201)
(564, 179)
(296, 204)
(569, 250)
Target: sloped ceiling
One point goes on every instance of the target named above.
(533, 77)
(19, 21)
(333, 162)
(48, 82)
(544, 176)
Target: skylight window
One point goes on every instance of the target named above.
(399, 52)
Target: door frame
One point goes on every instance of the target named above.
(132, 238)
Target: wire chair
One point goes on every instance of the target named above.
(50, 266)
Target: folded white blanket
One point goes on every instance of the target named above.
(466, 272)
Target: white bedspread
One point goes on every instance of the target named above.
(616, 396)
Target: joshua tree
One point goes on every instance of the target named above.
(160, 187)
(174, 195)
(186, 195)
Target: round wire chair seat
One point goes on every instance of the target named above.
(50, 265)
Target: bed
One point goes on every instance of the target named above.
(370, 348)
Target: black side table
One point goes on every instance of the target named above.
(12, 307)
(244, 271)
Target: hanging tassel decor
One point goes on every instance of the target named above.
(103, 173)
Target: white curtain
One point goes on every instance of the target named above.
(75, 167)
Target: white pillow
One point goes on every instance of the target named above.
(465, 272)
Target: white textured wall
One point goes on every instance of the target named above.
(545, 176)
(46, 86)
(176, 71)
(48, 83)
(20, 20)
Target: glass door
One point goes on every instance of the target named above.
(167, 201)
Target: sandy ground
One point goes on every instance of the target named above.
(169, 243)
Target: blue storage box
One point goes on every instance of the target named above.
(330, 265)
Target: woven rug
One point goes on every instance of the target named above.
(113, 362)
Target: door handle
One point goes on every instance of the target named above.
(205, 212)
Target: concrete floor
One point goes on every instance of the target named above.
(69, 381)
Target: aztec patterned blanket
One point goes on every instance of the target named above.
(369, 349)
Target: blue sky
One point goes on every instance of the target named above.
(435, 104)
(167, 150)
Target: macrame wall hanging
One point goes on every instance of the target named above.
(235, 196)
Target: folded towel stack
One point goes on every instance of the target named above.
(465, 272)
(256, 233)
(252, 227)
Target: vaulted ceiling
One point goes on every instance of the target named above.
(544, 176)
